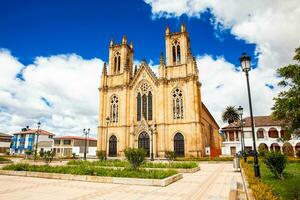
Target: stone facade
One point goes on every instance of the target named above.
(136, 105)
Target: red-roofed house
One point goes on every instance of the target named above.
(65, 146)
(26, 140)
(267, 133)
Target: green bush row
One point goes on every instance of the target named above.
(2, 159)
(206, 159)
(93, 171)
(260, 190)
(119, 163)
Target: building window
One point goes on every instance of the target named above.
(176, 52)
(179, 145)
(57, 142)
(260, 133)
(144, 102)
(273, 133)
(177, 104)
(138, 106)
(67, 142)
(117, 63)
(114, 109)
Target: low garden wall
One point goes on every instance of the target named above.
(100, 179)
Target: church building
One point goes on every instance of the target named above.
(157, 112)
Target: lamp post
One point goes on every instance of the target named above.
(246, 67)
(37, 139)
(86, 133)
(107, 122)
(240, 111)
(151, 132)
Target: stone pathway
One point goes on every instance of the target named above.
(212, 182)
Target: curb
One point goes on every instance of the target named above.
(99, 179)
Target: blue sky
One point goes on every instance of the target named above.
(42, 28)
(56, 49)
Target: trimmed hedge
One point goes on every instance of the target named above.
(260, 190)
(92, 171)
(206, 159)
(119, 163)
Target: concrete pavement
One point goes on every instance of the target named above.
(212, 182)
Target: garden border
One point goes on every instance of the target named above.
(100, 179)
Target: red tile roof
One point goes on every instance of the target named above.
(75, 138)
(258, 121)
(34, 131)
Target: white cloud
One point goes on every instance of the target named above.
(68, 82)
(273, 25)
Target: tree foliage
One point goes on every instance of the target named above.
(135, 157)
(230, 114)
(287, 104)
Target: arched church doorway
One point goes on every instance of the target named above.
(112, 146)
(179, 145)
(144, 142)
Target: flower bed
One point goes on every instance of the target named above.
(118, 163)
(93, 171)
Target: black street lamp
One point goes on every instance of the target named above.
(106, 145)
(246, 67)
(240, 111)
(37, 139)
(86, 132)
(152, 154)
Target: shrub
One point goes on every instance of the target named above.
(260, 190)
(101, 155)
(170, 155)
(276, 162)
(135, 157)
(298, 154)
(48, 156)
(3, 159)
(73, 155)
(262, 151)
(41, 153)
(28, 153)
(92, 170)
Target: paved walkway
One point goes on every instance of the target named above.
(212, 182)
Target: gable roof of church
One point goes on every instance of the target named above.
(145, 66)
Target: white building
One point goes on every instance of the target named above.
(65, 146)
(27, 138)
(5, 141)
(267, 135)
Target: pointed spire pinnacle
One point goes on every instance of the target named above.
(194, 61)
(167, 30)
(111, 42)
(104, 70)
(135, 70)
(144, 61)
(183, 28)
(131, 45)
(162, 59)
(124, 39)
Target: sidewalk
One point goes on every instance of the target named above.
(212, 182)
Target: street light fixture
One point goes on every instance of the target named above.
(37, 139)
(107, 122)
(246, 67)
(240, 111)
(152, 154)
(86, 132)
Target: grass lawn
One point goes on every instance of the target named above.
(119, 163)
(93, 171)
(287, 189)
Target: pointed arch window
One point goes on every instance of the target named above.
(138, 106)
(114, 109)
(144, 102)
(176, 52)
(177, 97)
(117, 63)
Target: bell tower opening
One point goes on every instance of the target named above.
(177, 46)
(120, 57)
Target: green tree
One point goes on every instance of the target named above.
(287, 104)
(230, 114)
(135, 157)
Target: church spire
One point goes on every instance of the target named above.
(104, 70)
(162, 59)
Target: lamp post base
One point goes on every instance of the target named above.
(256, 170)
